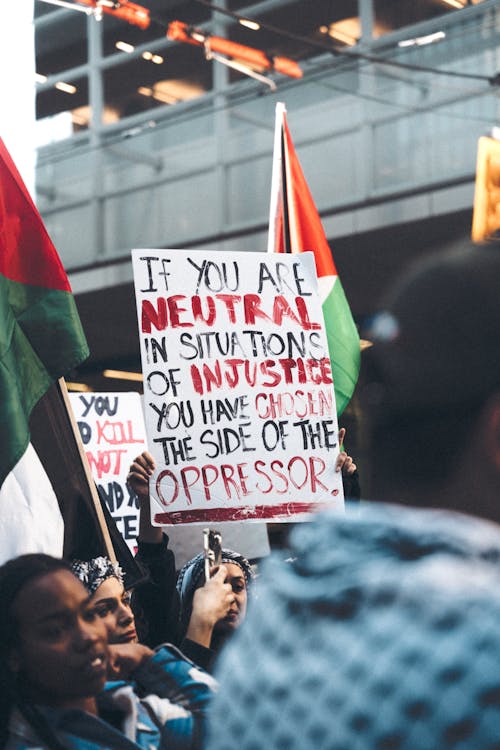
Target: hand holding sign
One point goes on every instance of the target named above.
(141, 469)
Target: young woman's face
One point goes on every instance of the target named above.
(112, 605)
(238, 609)
(61, 654)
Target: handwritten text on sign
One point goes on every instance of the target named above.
(239, 403)
(113, 434)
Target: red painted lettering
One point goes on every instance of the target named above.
(315, 481)
(229, 301)
(304, 315)
(253, 310)
(174, 311)
(209, 316)
(106, 462)
(160, 486)
(153, 317)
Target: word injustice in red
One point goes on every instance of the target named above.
(229, 373)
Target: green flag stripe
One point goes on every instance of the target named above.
(343, 345)
(41, 339)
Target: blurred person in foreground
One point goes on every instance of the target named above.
(379, 628)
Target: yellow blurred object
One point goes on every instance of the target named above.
(486, 217)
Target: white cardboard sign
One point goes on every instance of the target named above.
(113, 434)
(238, 394)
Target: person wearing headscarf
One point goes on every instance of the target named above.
(104, 580)
(198, 614)
(203, 633)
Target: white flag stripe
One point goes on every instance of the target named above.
(325, 286)
(276, 181)
(30, 519)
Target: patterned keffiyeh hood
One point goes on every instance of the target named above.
(377, 629)
(94, 572)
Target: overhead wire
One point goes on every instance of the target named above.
(350, 53)
(368, 58)
(456, 35)
(350, 57)
(199, 110)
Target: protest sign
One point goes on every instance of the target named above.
(238, 395)
(112, 430)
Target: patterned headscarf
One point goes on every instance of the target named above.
(191, 577)
(94, 572)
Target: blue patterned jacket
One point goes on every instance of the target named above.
(163, 709)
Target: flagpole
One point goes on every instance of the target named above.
(294, 213)
(88, 474)
(275, 178)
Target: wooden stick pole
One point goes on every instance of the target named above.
(88, 474)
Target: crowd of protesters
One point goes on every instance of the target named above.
(373, 629)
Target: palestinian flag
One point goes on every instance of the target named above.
(41, 339)
(46, 504)
(295, 227)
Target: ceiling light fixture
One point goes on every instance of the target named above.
(198, 37)
(70, 6)
(253, 25)
(340, 36)
(157, 59)
(125, 47)
(347, 30)
(420, 41)
(164, 97)
(123, 375)
(68, 88)
(82, 387)
(39, 78)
